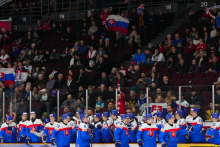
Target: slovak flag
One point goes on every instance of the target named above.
(155, 107)
(140, 9)
(117, 23)
(7, 75)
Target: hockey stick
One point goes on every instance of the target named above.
(110, 131)
(36, 130)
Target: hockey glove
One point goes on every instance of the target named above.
(22, 137)
(129, 126)
(99, 127)
(187, 136)
(118, 143)
(28, 140)
(189, 129)
(9, 128)
(2, 139)
(53, 141)
(140, 142)
(45, 137)
(163, 144)
(203, 131)
(91, 136)
(91, 127)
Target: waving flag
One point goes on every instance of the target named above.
(155, 107)
(117, 23)
(7, 75)
(140, 9)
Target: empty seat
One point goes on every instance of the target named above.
(178, 82)
(187, 76)
(210, 74)
(211, 81)
(200, 81)
(206, 94)
(176, 76)
(198, 75)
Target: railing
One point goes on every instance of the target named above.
(51, 101)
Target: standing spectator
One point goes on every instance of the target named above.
(194, 67)
(55, 56)
(119, 80)
(20, 75)
(217, 18)
(135, 40)
(161, 20)
(177, 39)
(143, 24)
(121, 103)
(60, 83)
(139, 57)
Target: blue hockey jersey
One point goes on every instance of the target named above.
(168, 134)
(214, 131)
(72, 123)
(133, 131)
(141, 101)
(116, 122)
(182, 124)
(195, 135)
(97, 133)
(160, 124)
(121, 134)
(106, 128)
(147, 133)
(83, 137)
(48, 130)
(22, 128)
(8, 135)
(184, 106)
(34, 126)
(63, 134)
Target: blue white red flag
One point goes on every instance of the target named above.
(140, 9)
(7, 75)
(117, 23)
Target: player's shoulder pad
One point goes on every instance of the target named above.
(4, 125)
(83, 126)
(38, 121)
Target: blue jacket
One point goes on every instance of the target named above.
(83, 137)
(63, 135)
(121, 134)
(35, 126)
(136, 58)
(147, 133)
(106, 134)
(82, 49)
(175, 42)
(22, 128)
(214, 131)
(48, 131)
(8, 135)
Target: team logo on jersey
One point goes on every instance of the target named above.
(151, 133)
(50, 132)
(66, 133)
(173, 134)
(20, 128)
(33, 129)
(126, 133)
(8, 132)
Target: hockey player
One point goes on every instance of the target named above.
(182, 124)
(76, 119)
(34, 125)
(61, 134)
(83, 135)
(116, 119)
(121, 132)
(143, 119)
(97, 128)
(107, 134)
(132, 128)
(49, 128)
(72, 124)
(197, 134)
(184, 105)
(168, 133)
(146, 135)
(8, 131)
(22, 128)
(214, 130)
(159, 120)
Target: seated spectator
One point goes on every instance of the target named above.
(44, 98)
(165, 85)
(92, 41)
(207, 39)
(209, 112)
(38, 57)
(196, 39)
(217, 97)
(157, 93)
(50, 83)
(119, 40)
(35, 73)
(91, 54)
(112, 75)
(186, 34)
(47, 56)
(169, 97)
(107, 46)
(190, 47)
(91, 67)
(111, 106)
(157, 57)
(22, 57)
(54, 27)
(161, 47)
(205, 15)
(201, 60)
(139, 57)
(174, 54)
(148, 56)
(143, 81)
(93, 29)
(109, 61)
(78, 105)
(179, 47)
(80, 93)
(152, 17)
(68, 36)
(111, 94)
(213, 32)
(212, 56)
(81, 78)
(136, 74)
(45, 27)
(26, 94)
(132, 100)
(55, 56)
(182, 67)
(70, 84)
(170, 62)
(153, 78)
(197, 53)
(36, 38)
(194, 68)
(79, 62)
(135, 40)
(100, 44)
(177, 40)
(20, 75)
(201, 44)
(103, 92)
(154, 70)
(5, 58)
(193, 33)
(101, 66)
(41, 80)
(66, 52)
(20, 108)
(214, 66)
(72, 61)
(60, 83)
(194, 97)
(103, 80)
(142, 99)
(202, 112)
(82, 47)
(85, 29)
(99, 102)
(119, 80)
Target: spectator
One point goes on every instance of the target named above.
(209, 112)
(99, 102)
(170, 63)
(128, 110)
(136, 74)
(135, 40)
(217, 18)
(81, 92)
(194, 97)
(177, 39)
(11, 88)
(55, 56)
(201, 60)
(69, 102)
(212, 56)
(214, 66)
(111, 94)
(196, 54)
(193, 32)
(143, 24)
(132, 100)
(20, 75)
(79, 62)
(79, 104)
(119, 80)
(92, 42)
(182, 67)
(101, 66)
(150, 47)
(93, 29)
(41, 80)
(139, 57)
(36, 38)
(142, 99)
(81, 78)
(103, 92)
(68, 35)
(202, 112)
(85, 29)
(196, 39)
(70, 84)
(112, 75)
(107, 46)
(201, 44)
(159, 92)
(161, 20)
(60, 83)
(22, 57)
(194, 68)
(100, 44)
(213, 32)
(5, 58)
(26, 95)
(153, 78)
(39, 57)
(91, 54)
(111, 106)
(47, 56)
(186, 34)
(217, 97)
(91, 67)
(207, 39)
(54, 28)
(152, 17)
(205, 15)
(157, 57)
(169, 97)
(190, 47)
(72, 61)
(109, 61)
(170, 109)
(179, 47)
(148, 56)
(143, 81)
(174, 54)
(119, 40)
(103, 80)
(35, 94)
(45, 100)
(165, 85)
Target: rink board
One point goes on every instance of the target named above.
(103, 145)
